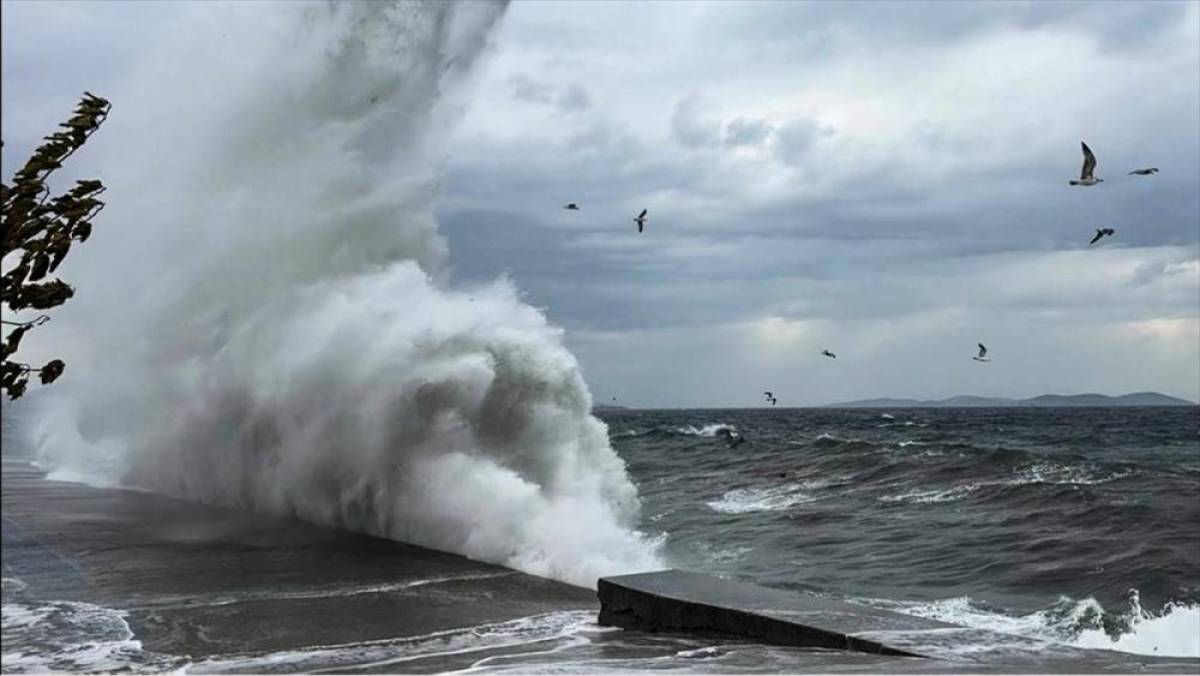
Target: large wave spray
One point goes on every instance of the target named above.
(265, 320)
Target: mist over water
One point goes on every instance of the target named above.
(264, 318)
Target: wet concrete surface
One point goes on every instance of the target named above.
(676, 600)
(203, 581)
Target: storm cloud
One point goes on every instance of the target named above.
(887, 180)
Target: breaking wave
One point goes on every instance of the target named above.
(62, 636)
(772, 499)
(705, 431)
(1175, 632)
(281, 335)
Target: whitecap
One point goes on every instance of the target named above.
(58, 636)
(1175, 632)
(933, 495)
(744, 500)
(710, 430)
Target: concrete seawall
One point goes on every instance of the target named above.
(206, 582)
(675, 600)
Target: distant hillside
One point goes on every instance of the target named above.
(1045, 400)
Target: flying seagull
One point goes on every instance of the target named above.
(641, 220)
(982, 354)
(770, 397)
(829, 354)
(572, 207)
(1089, 167)
(1144, 172)
(1101, 232)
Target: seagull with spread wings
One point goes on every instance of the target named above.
(1087, 175)
(982, 356)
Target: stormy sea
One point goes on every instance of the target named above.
(1071, 525)
(1067, 528)
(292, 345)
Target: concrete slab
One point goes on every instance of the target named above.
(204, 581)
(676, 600)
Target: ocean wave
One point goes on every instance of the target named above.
(776, 498)
(706, 431)
(388, 655)
(930, 496)
(830, 441)
(720, 554)
(339, 379)
(1174, 632)
(64, 636)
(701, 653)
(1050, 473)
(1045, 473)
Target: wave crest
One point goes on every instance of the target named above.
(297, 349)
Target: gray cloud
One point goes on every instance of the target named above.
(888, 179)
(574, 98)
(570, 99)
(692, 124)
(746, 132)
(525, 89)
(797, 137)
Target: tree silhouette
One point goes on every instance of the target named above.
(40, 230)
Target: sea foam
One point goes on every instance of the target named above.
(265, 318)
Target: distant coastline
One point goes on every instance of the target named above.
(1043, 401)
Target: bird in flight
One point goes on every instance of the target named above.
(641, 220)
(1101, 232)
(1144, 172)
(1086, 176)
(982, 356)
(572, 207)
(770, 397)
(829, 354)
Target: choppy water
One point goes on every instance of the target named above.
(1067, 527)
(1079, 525)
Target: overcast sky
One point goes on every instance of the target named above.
(888, 181)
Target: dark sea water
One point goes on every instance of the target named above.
(1065, 527)
(1079, 525)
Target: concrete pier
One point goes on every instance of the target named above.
(676, 600)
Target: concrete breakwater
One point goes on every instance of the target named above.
(676, 600)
